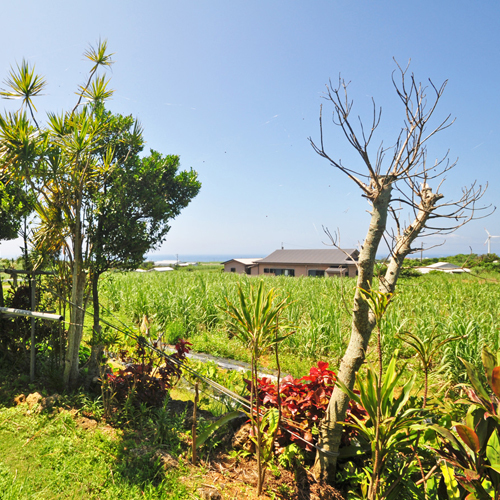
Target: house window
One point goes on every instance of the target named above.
(337, 270)
(266, 270)
(314, 272)
(233, 269)
(283, 272)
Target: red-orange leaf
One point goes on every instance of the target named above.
(469, 437)
(495, 381)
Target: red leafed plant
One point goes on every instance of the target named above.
(303, 403)
(149, 378)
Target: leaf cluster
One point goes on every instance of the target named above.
(396, 415)
(145, 381)
(303, 402)
(474, 451)
(256, 319)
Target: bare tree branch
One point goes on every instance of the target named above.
(401, 189)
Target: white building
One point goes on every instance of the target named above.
(444, 267)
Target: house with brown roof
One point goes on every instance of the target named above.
(241, 266)
(322, 262)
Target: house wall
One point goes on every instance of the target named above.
(301, 269)
(238, 266)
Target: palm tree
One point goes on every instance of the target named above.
(59, 164)
(256, 321)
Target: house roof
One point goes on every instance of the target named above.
(443, 265)
(245, 262)
(327, 256)
(446, 267)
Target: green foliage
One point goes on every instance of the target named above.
(478, 263)
(473, 453)
(468, 346)
(201, 437)
(15, 204)
(377, 301)
(408, 272)
(213, 401)
(83, 354)
(291, 456)
(98, 204)
(15, 332)
(268, 426)
(389, 428)
(138, 199)
(426, 348)
(164, 427)
(439, 303)
(173, 332)
(256, 321)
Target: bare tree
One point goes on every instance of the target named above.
(395, 178)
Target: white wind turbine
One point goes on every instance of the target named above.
(488, 240)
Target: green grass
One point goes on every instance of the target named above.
(319, 310)
(47, 456)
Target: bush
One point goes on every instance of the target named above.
(145, 380)
(303, 404)
(15, 332)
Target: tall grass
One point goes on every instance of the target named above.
(320, 312)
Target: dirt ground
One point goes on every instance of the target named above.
(237, 479)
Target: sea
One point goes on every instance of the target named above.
(200, 257)
(219, 257)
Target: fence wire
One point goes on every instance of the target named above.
(143, 342)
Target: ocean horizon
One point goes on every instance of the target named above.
(224, 257)
(201, 257)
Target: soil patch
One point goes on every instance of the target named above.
(234, 478)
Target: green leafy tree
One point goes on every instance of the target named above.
(68, 164)
(15, 204)
(132, 210)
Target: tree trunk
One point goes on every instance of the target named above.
(363, 319)
(75, 331)
(362, 326)
(76, 308)
(404, 241)
(97, 348)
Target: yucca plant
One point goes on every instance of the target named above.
(389, 428)
(256, 321)
(426, 347)
(474, 452)
(378, 302)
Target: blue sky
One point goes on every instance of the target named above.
(235, 87)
